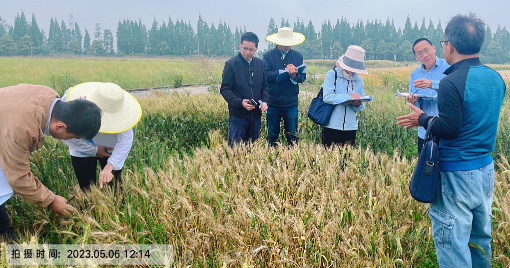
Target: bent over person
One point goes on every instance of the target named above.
(28, 113)
(469, 99)
(244, 87)
(111, 146)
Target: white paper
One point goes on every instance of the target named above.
(106, 140)
(400, 94)
(5, 189)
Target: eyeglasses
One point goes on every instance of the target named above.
(249, 49)
(443, 43)
(427, 50)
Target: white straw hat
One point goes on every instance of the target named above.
(286, 37)
(353, 60)
(120, 110)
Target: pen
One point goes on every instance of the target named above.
(71, 199)
(416, 91)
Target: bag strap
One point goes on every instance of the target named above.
(428, 134)
(334, 90)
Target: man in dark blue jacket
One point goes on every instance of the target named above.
(283, 90)
(244, 87)
(469, 104)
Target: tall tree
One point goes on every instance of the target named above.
(170, 28)
(86, 42)
(153, 46)
(20, 27)
(65, 34)
(439, 37)
(35, 33)
(202, 35)
(78, 36)
(487, 40)
(310, 33)
(108, 42)
(124, 37)
(407, 33)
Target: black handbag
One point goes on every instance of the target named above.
(319, 111)
(426, 176)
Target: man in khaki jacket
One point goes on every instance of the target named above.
(28, 113)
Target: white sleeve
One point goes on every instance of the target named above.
(82, 146)
(121, 149)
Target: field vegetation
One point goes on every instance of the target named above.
(253, 206)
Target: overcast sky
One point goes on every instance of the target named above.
(253, 14)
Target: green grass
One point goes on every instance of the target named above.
(127, 73)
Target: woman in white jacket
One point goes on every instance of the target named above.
(343, 123)
(111, 146)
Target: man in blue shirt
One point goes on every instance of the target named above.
(469, 101)
(283, 93)
(425, 81)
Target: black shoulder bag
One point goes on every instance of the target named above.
(319, 111)
(426, 177)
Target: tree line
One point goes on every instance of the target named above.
(382, 41)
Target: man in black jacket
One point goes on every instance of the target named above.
(244, 87)
(283, 77)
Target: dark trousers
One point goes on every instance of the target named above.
(5, 222)
(331, 137)
(290, 123)
(6, 232)
(243, 130)
(421, 142)
(85, 169)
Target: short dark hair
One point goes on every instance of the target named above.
(418, 41)
(250, 37)
(82, 117)
(466, 33)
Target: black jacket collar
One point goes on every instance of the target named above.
(463, 63)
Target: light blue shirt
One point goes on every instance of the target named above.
(344, 115)
(426, 104)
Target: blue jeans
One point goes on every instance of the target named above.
(290, 122)
(242, 130)
(460, 213)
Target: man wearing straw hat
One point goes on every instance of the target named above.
(283, 61)
(111, 146)
(28, 113)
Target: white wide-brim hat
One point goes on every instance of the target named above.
(120, 110)
(286, 37)
(353, 60)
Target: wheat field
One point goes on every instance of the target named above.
(257, 206)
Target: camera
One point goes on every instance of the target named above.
(254, 103)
